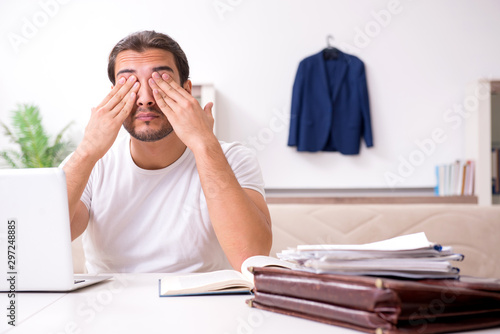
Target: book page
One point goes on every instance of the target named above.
(203, 282)
(262, 261)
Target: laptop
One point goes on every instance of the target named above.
(35, 237)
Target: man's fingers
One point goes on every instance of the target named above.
(112, 92)
(163, 102)
(161, 98)
(208, 112)
(208, 108)
(121, 93)
(153, 86)
(125, 105)
(170, 81)
(168, 87)
(127, 108)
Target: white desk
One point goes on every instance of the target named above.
(130, 304)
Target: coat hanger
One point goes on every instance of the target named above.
(330, 52)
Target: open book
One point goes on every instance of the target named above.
(218, 282)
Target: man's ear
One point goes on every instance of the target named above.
(188, 85)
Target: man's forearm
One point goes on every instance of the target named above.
(77, 170)
(242, 228)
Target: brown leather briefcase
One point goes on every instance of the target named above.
(379, 305)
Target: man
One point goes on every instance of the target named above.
(170, 197)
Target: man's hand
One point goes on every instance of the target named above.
(107, 118)
(192, 124)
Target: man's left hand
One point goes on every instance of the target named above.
(192, 124)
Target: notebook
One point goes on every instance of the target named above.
(35, 237)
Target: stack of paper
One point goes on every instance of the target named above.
(410, 256)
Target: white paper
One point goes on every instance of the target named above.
(405, 242)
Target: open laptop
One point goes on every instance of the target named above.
(35, 237)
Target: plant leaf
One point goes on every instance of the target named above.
(30, 135)
(11, 157)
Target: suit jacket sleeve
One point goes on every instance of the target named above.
(365, 109)
(298, 90)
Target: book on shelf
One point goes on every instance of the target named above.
(455, 179)
(437, 188)
(410, 256)
(217, 282)
(495, 171)
(470, 183)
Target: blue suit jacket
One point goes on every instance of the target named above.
(330, 106)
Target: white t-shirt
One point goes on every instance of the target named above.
(156, 220)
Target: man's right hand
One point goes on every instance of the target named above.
(107, 118)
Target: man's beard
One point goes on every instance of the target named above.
(149, 135)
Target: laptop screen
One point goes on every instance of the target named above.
(35, 239)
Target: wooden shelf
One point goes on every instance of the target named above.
(375, 200)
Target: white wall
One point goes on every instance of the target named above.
(418, 60)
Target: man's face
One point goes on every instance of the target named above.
(146, 122)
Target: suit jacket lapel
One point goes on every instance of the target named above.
(324, 79)
(341, 69)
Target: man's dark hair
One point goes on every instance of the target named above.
(143, 40)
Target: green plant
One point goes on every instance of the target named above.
(30, 135)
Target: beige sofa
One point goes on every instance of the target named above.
(472, 230)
